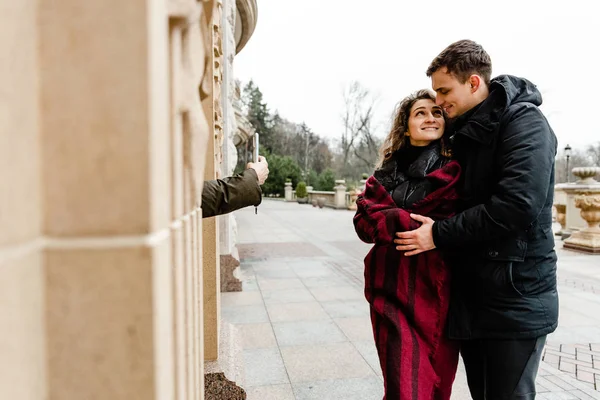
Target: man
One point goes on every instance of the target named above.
(501, 247)
(222, 196)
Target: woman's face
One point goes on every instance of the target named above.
(425, 123)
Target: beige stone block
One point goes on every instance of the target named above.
(212, 288)
(158, 92)
(196, 362)
(163, 321)
(179, 309)
(22, 344)
(199, 312)
(189, 306)
(100, 324)
(102, 82)
(19, 136)
(177, 175)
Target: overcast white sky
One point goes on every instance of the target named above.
(304, 52)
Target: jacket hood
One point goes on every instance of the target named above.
(505, 90)
(516, 90)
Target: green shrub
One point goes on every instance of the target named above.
(281, 169)
(326, 180)
(301, 190)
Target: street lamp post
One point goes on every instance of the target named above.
(568, 155)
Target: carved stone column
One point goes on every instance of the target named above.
(229, 258)
(211, 103)
(587, 199)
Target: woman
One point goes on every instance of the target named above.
(409, 295)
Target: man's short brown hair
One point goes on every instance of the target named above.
(463, 59)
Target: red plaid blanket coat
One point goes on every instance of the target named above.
(409, 296)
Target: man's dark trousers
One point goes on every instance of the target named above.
(502, 369)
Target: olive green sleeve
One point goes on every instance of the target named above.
(222, 196)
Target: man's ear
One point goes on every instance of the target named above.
(475, 82)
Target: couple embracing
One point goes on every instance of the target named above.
(459, 211)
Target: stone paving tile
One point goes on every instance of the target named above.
(337, 293)
(256, 251)
(307, 333)
(271, 392)
(257, 336)
(555, 384)
(264, 367)
(241, 299)
(275, 273)
(581, 285)
(268, 284)
(346, 308)
(558, 396)
(369, 352)
(296, 312)
(245, 314)
(340, 389)
(287, 296)
(320, 271)
(322, 362)
(575, 359)
(316, 282)
(356, 329)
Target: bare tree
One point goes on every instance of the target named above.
(578, 158)
(368, 147)
(593, 151)
(356, 118)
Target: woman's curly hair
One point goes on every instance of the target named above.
(397, 138)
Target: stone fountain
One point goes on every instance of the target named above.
(586, 198)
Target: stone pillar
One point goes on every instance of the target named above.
(23, 372)
(288, 191)
(211, 102)
(229, 258)
(100, 261)
(191, 57)
(106, 188)
(340, 194)
(587, 199)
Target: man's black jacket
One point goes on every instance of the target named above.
(502, 245)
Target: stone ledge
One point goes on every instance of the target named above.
(574, 244)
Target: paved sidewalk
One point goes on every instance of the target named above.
(305, 321)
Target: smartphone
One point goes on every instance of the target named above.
(255, 147)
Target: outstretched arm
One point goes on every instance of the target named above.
(222, 196)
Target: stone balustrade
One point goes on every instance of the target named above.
(339, 198)
(328, 197)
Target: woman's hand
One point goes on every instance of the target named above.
(418, 240)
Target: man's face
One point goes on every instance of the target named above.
(454, 97)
